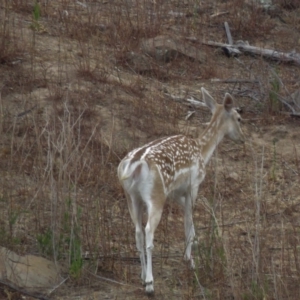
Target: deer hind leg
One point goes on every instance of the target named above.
(189, 225)
(135, 206)
(154, 216)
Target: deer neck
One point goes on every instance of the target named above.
(210, 139)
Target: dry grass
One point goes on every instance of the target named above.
(72, 104)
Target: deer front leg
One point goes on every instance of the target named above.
(189, 229)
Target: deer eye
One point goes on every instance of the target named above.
(239, 119)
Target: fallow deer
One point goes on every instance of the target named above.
(173, 167)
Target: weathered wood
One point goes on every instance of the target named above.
(230, 51)
(194, 102)
(219, 14)
(295, 115)
(190, 113)
(233, 80)
(183, 100)
(268, 53)
(228, 33)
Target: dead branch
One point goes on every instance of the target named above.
(248, 93)
(174, 97)
(233, 80)
(268, 53)
(295, 115)
(189, 114)
(228, 33)
(26, 112)
(230, 51)
(58, 285)
(219, 14)
(196, 102)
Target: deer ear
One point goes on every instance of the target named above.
(208, 99)
(228, 102)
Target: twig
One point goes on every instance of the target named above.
(175, 98)
(113, 281)
(233, 80)
(82, 4)
(282, 100)
(200, 285)
(219, 14)
(23, 291)
(190, 113)
(247, 93)
(176, 14)
(58, 285)
(26, 112)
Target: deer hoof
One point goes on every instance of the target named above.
(149, 288)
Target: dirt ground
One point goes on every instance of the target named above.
(78, 91)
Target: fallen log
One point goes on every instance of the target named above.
(291, 57)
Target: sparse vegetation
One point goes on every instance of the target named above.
(36, 15)
(77, 92)
(275, 105)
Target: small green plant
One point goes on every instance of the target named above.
(257, 291)
(68, 239)
(13, 216)
(210, 253)
(76, 261)
(73, 240)
(8, 235)
(45, 242)
(35, 25)
(4, 236)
